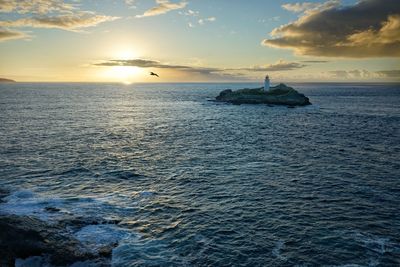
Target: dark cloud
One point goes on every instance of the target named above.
(315, 61)
(6, 34)
(144, 63)
(370, 28)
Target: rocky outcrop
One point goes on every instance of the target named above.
(278, 95)
(23, 236)
(4, 80)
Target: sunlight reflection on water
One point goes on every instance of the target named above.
(201, 183)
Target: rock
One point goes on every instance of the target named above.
(278, 95)
(23, 236)
(4, 80)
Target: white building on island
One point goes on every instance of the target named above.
(266, 84)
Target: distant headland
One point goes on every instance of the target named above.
(276, 95)
(4, 80)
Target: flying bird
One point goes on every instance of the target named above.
(154, 74)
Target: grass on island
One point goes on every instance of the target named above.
(280, 89)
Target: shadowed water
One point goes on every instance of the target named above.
(197, 183)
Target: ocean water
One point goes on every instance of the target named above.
(199, 183)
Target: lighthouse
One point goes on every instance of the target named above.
(266, 84)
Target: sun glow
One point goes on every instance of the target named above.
(125, 74)
(122, 74)
(125, 52)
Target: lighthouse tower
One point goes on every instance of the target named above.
(266, 84)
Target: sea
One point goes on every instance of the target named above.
(193, 182)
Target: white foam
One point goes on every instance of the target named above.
(27, 203)
(374, 243)
(279, 245)
(375, 246)
(97, 236)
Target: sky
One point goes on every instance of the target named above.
(200, 40)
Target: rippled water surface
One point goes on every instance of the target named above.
(198, 183)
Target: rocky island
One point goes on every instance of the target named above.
(4, 80)
(275, 95)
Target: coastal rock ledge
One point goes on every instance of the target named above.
(22, 237)
(277, 95)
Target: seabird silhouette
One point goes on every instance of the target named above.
(154, 74)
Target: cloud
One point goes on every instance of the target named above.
(203, 21)
(164, 6)
(389, 73)
(190, 13)
(281, 65)
(370, 28)
(364, 74)
(36, 6)
(64, 22)
(211, 73)
(46, 14)
(339, 74)
(145, 63)
(250, 73)
(315, 61)
(310, 7)
(6, 35)
(299, 7)
(131, 3)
